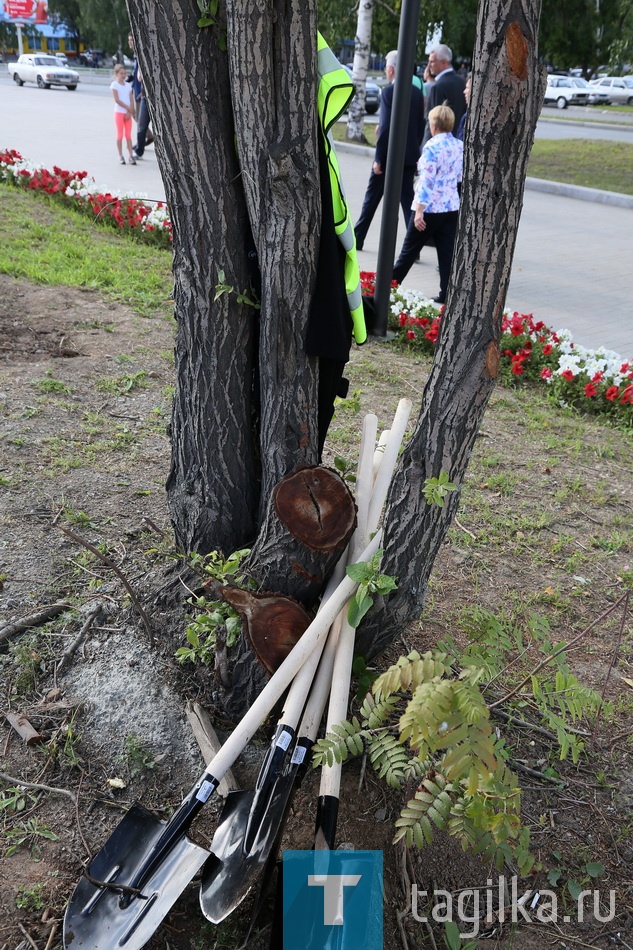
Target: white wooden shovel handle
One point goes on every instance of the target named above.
(282, 677)
(342, 673)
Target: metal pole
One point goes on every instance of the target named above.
(407, 38)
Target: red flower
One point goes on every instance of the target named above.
(624, 367)
(590, 391)
(627, 396)
(567, 374)
(410, 334)
(547, 349)
(546, 373)
(611, 393)
(597, 377)
(517, 368)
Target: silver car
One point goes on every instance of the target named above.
(598, 97)
(617, 88)
(44, 70)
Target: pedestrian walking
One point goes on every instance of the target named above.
(436, 204)
(123, 113)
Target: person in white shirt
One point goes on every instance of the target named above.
(123, 112)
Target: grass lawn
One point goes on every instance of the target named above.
(592, 164)
(539, 555)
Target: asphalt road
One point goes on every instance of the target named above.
(573, 264)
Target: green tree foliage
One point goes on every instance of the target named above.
(67, 12)
(103, 24)
(586, 33)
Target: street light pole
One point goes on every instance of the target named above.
(407, 38)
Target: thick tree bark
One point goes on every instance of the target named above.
(213, 484)
(508, 87)
(272, 61)
(236, 142)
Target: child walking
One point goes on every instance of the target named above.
(123, 112)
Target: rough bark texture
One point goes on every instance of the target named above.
(236, 144)
(310, 519)
(272, 61)
(213, 483)
(508, 87)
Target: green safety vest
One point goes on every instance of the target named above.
(334, 95)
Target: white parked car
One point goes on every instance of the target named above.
(43, 69)
(617, 87)
(562, 91)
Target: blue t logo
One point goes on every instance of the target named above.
(332, 899)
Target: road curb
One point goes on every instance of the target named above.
(532, 184)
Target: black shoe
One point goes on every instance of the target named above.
(439, 299)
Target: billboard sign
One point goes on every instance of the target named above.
(29, 11)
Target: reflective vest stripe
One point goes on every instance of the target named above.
(335, 92)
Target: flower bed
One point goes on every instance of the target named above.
(136, 215)
(595, 381)
(598, 381)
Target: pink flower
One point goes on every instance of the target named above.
(546, 373)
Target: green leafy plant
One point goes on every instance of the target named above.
(208, 12)
(435, 490)
(138, 757)
(453, 939)
(244, 296)
(370, 581)
(29, 833)
(559, 873)
(350, 403)
(428, 719)
(345, 469)
(216, 617)
(30, 898)
(14, 800)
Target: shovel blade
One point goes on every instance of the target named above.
(95, 919)
(232, 871)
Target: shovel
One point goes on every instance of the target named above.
(146, 864)
(252, 821)
(385, 459)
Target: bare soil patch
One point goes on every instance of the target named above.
(544, 526)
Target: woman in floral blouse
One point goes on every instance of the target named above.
(436, 201)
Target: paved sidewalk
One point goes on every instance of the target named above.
(573, 262)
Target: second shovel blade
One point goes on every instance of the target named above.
(231, 872)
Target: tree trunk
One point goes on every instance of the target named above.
(272, 63)
(506, 99)
(213, 488)
(245, 408)
(362, 49)
(269, 200)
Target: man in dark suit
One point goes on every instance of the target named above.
(415, 129)
(448, 86)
